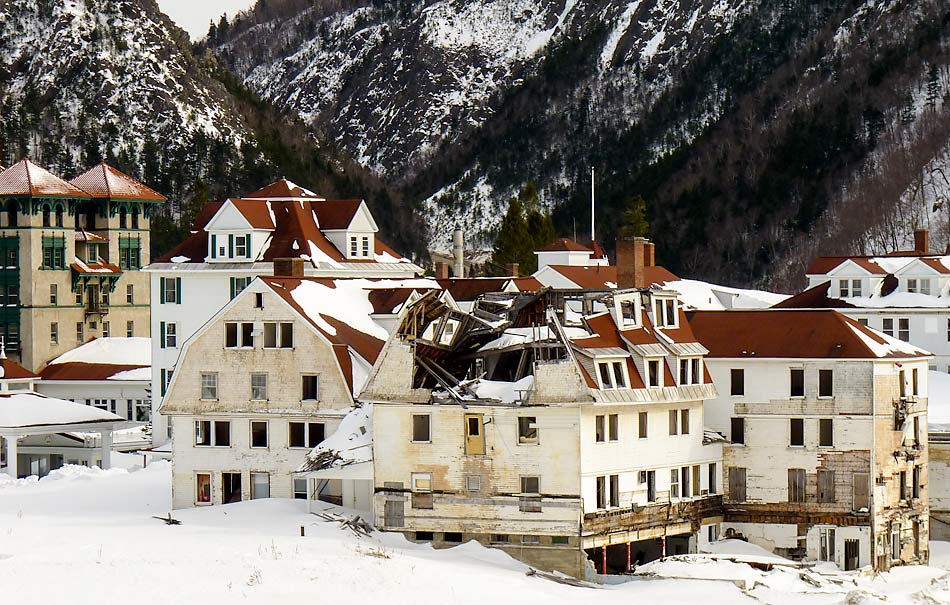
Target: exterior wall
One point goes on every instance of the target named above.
(311, 354)
(864, 441)
(939, 489)
(124, 392)
(563, 257)
(36, 312)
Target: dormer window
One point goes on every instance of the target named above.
(612, 374)
(654, 374)
(918, 286)
(240, 246)
(665, 313)
(849, 287)
(691, 371)
(627, 310)
(354, 245)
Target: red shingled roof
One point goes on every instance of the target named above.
(336, 214)
(255, 211)
(283, 190)
(936, 264)
(105, 182)
(814, 298)
(564, 244)
(76, 370)
(95, 268)
(824, 264)
(12, 369)
(27, 179)
(605, 278)
(797, 334)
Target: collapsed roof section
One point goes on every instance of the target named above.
(542, 348)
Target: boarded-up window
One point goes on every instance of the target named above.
(420, 428)
(395, 513)
(826, 383)
(738, 430)
(796, 485)
(696, 480)
(797, 382)
(826, 486)
(737, 492)
(796, 432)
(643, 418)
(861, 489)
(826, 432)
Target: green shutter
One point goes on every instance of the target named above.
(214, 246)
(162, 386)
(161, 291)
(247, 245)
(233, 287)
(230, 245)
(178, 290)
(161, 342)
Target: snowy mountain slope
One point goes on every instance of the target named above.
(117, 66)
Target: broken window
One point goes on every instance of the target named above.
(796, 432)
(300, 489)
(685, 482)
(796, 382)
(826, 544)
(712, 479)
(825, 383)
(259, 433)
(613, 427)
(278, 335)
(642, 421)
(531, 494)
(203, 488)
(260, 486)
(614, 491)
(306, 434)
(915, 482)
(737, 484)
(421, 425)
(310, 387)
(628, 310)
(601, 492)
(684, 422)
(231, 488)
(258, 386)
(452, 536)
(860, 491)
(238, 335)
(826, 486)
(674, 483)
(600, 433)
(653, 373)
(213, 433)
(796, 485)
(738, 431)
(826, 432)
(422, 490)
(527, 429)
(209, 385)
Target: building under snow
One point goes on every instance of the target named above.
(268, 377)
(573, 445)
(827, 456)
(238, 239)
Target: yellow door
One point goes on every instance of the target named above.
(474, 435)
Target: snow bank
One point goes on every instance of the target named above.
(113, 350)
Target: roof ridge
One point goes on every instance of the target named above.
(29, 179)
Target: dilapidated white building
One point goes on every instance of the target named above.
(268, 378)
(574, 446)
(827, 421)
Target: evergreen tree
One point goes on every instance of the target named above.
(635, 218)
(525, 228)
(933, 87)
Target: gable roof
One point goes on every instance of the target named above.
(256, 212)
(605, 277)
(336, 214)
(26, 179)
(13, 370)
(283, 190)
(105, 182)
(793, 333)
(108, 358)
(564, 244)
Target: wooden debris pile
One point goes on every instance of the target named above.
(355, 524)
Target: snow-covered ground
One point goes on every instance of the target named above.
(87, 536)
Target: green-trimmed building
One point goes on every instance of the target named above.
(70, 254)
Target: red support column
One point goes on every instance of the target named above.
(629, 562)
(603, 562)
(663, 554)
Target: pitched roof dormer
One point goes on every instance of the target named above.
(239, 230)
(350, 226)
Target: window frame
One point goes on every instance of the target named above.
(212, 431)
(791, 383)
(527, 425)
(259, 376)
(303, 390)
(207, 384)
(792, 423)
(266, 434)
(737, 387)
(822, 392)
(428, 426)
(654, 381)
(822, 423)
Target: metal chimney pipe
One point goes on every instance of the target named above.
(458, 251)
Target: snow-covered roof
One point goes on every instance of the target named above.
(351, 443)
(113, 358)
(703, 296)
(22, 410)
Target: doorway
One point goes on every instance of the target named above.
(851, 554)
(474, 435)
(230, 487)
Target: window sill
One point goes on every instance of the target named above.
(209, 400)
(826, 397)
(529, 443)
(421, 442)
(796, 447)
(219, 447)
(204, 503)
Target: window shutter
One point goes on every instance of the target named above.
(214, 246)
(161, 288)
(231, 245)
(161, 342)
(162, 386)
(247, 245)
(178, 290)
(232, 287)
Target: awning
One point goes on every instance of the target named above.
(359, 471)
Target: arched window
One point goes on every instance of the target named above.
(123, 218)
(59, 217)
(12, 212)
(46, 216)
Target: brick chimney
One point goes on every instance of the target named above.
(288, 267)
(512, 269)
(922, 241)
(649, 254)
(630, 262)
(441, 270)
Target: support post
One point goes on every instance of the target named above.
(105, 438)
(629, 562)
(11, 442)
(603, 560)
(663, 553)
